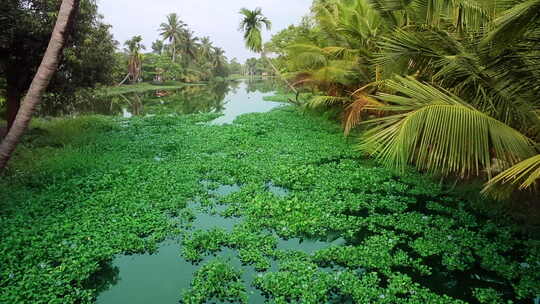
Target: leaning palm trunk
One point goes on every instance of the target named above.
(40, 82)
(279, 74)
(124, 80)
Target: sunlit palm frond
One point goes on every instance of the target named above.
(522, 176)
(336, 71)
(307, 56)
(439, 133)
(319, 101)
(342, 53)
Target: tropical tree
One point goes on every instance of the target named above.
(172, 30)
(88, 57)
(447, 86)
(189, 45)
(251, 25)
(41, 80)
(235, 67)
(218, 57)
(251, 65)
(134, 47)
(219, 62)
(206, 49)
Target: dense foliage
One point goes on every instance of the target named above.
(449, 86)
(88, 58)
(83, 190)
(185, 57)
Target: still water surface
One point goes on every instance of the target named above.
(230, 99)
(163, 276)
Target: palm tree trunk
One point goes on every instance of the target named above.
(13, 104)
(41, 80)
(173, 49)
(125, 78)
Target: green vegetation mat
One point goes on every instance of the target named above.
(80, 191)
(142, 87)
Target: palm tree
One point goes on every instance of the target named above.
(344, 63)
(190, 44)
(172, 30)
(206, 48)
(134, 46)
(251, 25)
(492, 79)
(467, 105)
(41, 80)
(218, 57)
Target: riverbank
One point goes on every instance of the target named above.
(82, 191)
(143, 87)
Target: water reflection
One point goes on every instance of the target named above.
(229, 98)
(263, 86)
(107, 276)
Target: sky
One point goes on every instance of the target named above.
(218, 19)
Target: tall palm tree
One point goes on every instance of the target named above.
(41, 80)
(218, 57)
(172, 30)
(251, 25)
(190, 44)
(206, 48)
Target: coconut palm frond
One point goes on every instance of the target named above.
(337, 71)
(342, 53)
(440, 133)
(513, 23)
(320, 101)
(390, 5)
(307, 56)
(523, 176)
(353, 112)
(253, 39)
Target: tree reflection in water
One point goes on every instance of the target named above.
(106, 277)
(210, 98)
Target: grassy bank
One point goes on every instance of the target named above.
(143, 87)
(80, 191)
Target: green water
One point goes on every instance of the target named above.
(161, 277)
